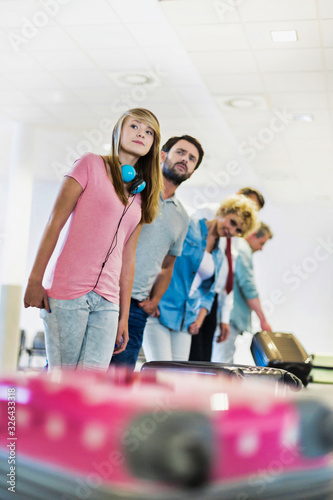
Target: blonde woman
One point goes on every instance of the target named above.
(191, 292)
(85, 302)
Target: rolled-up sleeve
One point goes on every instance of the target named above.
(207, 300)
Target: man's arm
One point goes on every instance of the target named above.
(125, 284)
(160, 286)
(256, 307)
(245, 276)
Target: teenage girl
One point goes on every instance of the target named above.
(85, 298)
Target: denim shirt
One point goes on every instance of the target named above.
(244, 289)
(177, 309)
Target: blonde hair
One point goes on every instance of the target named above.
(245, 208)
(148, 166)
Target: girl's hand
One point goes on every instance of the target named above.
(122, 337)
(194, 328)
(36, 296)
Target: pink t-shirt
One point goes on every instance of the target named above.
(90, 232)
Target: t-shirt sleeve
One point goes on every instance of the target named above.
(79, 171)
(177, 246)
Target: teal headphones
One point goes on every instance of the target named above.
(129, 175)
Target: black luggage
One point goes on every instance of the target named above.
(240, 371)
(281, 350)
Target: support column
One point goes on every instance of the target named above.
(15, 243)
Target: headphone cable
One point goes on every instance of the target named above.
(114, 240)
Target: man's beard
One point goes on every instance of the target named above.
(169, 171)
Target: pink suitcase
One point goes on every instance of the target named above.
(158, 436)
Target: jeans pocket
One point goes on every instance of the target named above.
(70, 304)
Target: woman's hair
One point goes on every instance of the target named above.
(245, 208)
(147, 167)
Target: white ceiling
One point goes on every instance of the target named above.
(64, 75)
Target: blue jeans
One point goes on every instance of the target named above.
(80, 332)
(136, 325)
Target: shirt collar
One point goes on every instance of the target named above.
(173, 199)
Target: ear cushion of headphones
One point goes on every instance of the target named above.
(137, 186)
(128, 173)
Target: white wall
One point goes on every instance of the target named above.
(298, 265)
(44, 195)
(5, 152)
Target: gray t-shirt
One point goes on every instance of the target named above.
(164, 236)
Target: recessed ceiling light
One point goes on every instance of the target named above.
(243, 102)
(304, 118)
(284, 36)
(240, 102)
(136, 78)
(128, 80)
